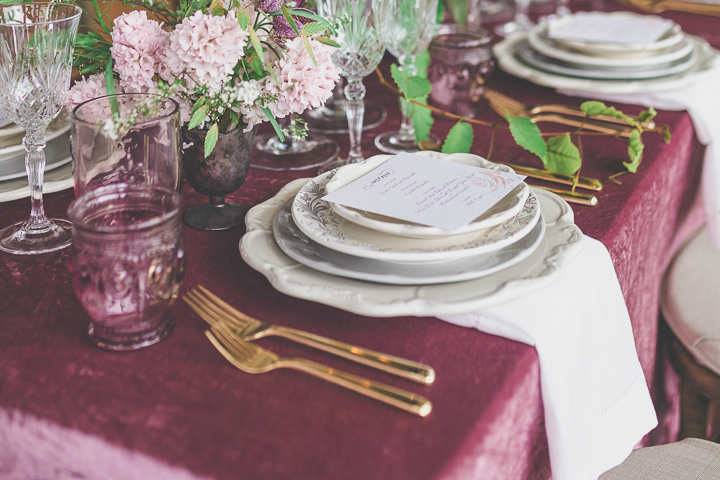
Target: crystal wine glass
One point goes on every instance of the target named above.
(331, 117)
(521, 22)
(359, 53)
(36, 50)
(406, 28)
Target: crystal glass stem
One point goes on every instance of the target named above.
(522, 8)
(355, 110)
(34, 143)
(407, 131)
(563, 8)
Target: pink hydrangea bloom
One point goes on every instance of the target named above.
(205, 49)
(302, 83)
(86, 89)
(138, 45)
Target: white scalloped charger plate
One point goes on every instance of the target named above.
(318, 221)
(507, 208)
(259, 250)
(505, 52)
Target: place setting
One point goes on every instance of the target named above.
(469, 231)
(611, 53)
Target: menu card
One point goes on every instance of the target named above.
(428, 191)
(609, 28)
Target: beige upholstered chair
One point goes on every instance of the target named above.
(691, 308)
(690, 459)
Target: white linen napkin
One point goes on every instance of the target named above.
(702, 102)
(597, 404)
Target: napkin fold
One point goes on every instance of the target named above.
(597, 404)
(703, 104)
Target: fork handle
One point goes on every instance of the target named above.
(388, 363)
(390, 395)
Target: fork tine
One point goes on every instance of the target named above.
(226, 307)
(225, 352)
(212, 312)
(242, 351)
(201, 312)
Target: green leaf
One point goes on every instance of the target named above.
(459, 139)
(289, 18)
(273, 121)
(110, 88)
(328, 41)
(399, 77)
(243, 19)
(313, 28)
(563, 156)
(422, 121)
(417, 87)
(99, 17)
(211, 139)
(257, 46)
(635, 151)
(440, 14)
(593, 108)
(646, 115)
(198, 116)
(527, 135)
(422, 62)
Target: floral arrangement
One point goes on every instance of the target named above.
(227, 63)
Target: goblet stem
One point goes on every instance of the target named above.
(355, 110)
(34, 143)
(407, 131)
(522, 8)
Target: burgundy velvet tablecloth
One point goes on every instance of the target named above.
(178, 410)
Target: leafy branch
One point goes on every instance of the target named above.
(557, 151)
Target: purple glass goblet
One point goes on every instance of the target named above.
(128, 262)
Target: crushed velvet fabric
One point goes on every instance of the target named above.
(181, 409)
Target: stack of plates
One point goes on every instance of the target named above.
(375, 265)
(549, 58)
(13, 183)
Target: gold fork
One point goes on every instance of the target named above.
(215, 311)
(250, 358)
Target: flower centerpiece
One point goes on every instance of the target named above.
(229, 64)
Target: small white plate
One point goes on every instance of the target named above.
(672, 37)
(553, 49)
(556, 250)
(300, 248)
(318, 221)
(507, 208)
(505, 52)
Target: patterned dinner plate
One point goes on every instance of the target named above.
(503, 211)
(260, 250)
(300, 248)
(318, 221)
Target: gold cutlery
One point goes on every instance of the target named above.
(250, 358)
(586, 199)
(587, 183)
(215, 311)
(676, 5)
(504, 105)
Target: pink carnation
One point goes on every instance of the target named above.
(86, 89)
(205, 49)
(302, 83)
(137, 49)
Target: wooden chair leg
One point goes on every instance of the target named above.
(694, 408)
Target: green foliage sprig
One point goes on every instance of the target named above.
(558, 153)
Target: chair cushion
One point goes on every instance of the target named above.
(690, 459)
(691, 300)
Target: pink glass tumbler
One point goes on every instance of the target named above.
(128, 262)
